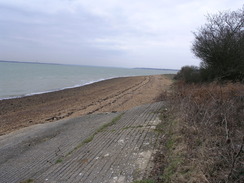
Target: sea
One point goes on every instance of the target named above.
(19, 79)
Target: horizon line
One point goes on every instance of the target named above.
(32, 62)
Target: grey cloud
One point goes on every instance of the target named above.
(129, 33)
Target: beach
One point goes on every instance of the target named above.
(111, 95)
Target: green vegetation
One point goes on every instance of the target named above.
(129, 127)
(102, 128)
(59, 161)
(189, 74)
(28, 181)
(171, 156)
(144, 181)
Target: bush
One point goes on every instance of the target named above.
(220, 46)
(189, 74)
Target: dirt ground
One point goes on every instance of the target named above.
(112, 95)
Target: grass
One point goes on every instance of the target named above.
(129, 127)
(170, 158)
(173, 147)
(102, 128)
(27, 181)
(90, 138)
(59, 161)
(144, 181)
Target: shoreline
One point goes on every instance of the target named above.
(117, 94)
(54, 78)
(69, 87)
(56, 90)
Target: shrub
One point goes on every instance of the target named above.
(212, 116)
(220, 46)
(189, 74)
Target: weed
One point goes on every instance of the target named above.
(171, 170)
(59, 161)
(90, 138)
(117, 118)
(144, 181)
(129, 127)
(28, 181)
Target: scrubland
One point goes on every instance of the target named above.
(202, 134)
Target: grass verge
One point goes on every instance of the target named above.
(170, 157)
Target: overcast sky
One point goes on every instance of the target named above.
(121, 33)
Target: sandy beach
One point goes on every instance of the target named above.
(112, 95)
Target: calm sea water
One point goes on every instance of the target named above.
(22, 79)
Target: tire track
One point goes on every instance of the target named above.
(104, 102)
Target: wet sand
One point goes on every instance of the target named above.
(112, 95)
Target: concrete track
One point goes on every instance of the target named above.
(107, 147)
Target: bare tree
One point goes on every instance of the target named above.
(220, 46)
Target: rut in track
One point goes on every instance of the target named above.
(102, 103)
(115, 98)
(107, 147)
